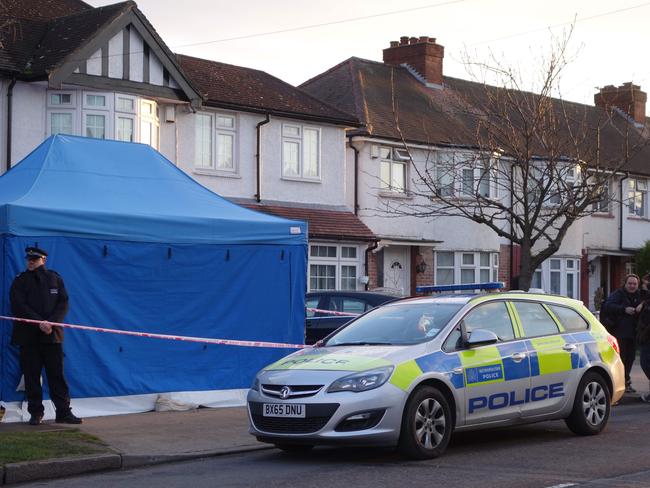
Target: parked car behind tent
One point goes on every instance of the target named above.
(143, 247)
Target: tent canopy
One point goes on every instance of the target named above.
(81, 187)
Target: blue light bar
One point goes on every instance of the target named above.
(491, 285)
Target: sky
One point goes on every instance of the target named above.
(296, 40)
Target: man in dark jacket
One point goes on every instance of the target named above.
(621, 305)
(39, 294)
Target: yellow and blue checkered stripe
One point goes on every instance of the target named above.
(494, 364)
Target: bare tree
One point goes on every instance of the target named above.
(535, 164)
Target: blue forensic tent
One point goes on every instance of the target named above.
(143, 247)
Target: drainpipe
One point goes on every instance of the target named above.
(258, 160)
(369, 249)
(10, 91)
(356, 177)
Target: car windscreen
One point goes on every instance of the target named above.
(397, 324)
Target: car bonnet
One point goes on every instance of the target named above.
(352, 358)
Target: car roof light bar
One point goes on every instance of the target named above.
(491, 285)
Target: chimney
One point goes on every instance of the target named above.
(628, 97)
(420, 53)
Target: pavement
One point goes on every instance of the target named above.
(143, 439)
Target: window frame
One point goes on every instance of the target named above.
(133, 118)
(71, 112)
(215, 131)
(338, 261)
(634, 190)
(108, 135)
(299, 139)
(62, 106)
(459, 266)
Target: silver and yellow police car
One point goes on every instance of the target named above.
(412, 372)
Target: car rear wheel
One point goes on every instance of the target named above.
(296, 448)
(426, 424)
(591, 406)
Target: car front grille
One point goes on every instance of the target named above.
(316, 418)
(291, 391)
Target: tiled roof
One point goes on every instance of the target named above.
(237, 87)
(44, 42)
(42, 9)
(449, 116)
(324, 224)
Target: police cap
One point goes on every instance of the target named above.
(34, 252)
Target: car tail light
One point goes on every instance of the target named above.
(613, 342)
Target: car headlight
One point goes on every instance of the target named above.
(256, 384)
(367, 380)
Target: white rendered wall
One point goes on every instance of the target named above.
(328, 191)
(115, 56)
(28, 119)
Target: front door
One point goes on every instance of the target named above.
(497, 375)
(397, 274)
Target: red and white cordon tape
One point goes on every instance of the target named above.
(332, 312)
(204, 340)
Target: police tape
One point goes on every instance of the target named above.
(203, 340)
(332, 312)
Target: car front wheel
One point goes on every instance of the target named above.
(591, 406)
(426, 424)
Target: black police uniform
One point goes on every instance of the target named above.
(40, 295)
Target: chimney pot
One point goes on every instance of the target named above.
(414, 40)
(403, 40)
(424, 38)
(394, 43)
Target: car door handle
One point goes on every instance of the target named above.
(457, 370)
(569, 347)
(518, 357)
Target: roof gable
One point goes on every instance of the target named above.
(115, 42)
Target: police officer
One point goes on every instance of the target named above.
(39, 294)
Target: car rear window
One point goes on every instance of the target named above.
(571, 320)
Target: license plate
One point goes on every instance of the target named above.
(287, 410)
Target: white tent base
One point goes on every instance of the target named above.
(100, 406)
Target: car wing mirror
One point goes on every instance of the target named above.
(481, 337)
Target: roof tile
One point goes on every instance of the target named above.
(328, 224)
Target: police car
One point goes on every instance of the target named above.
(411, 372)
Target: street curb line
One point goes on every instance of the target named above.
(58, 468)
(63, 467)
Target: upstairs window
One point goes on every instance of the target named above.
(215, 142)
(300, 151)
(393, 163)
(602, 205)
(636, 197)
(96, 112)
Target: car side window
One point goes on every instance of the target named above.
(491, 316)
(535, 320)
(311, 303)
(347, 304)
(454, 341)
(571, 320)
